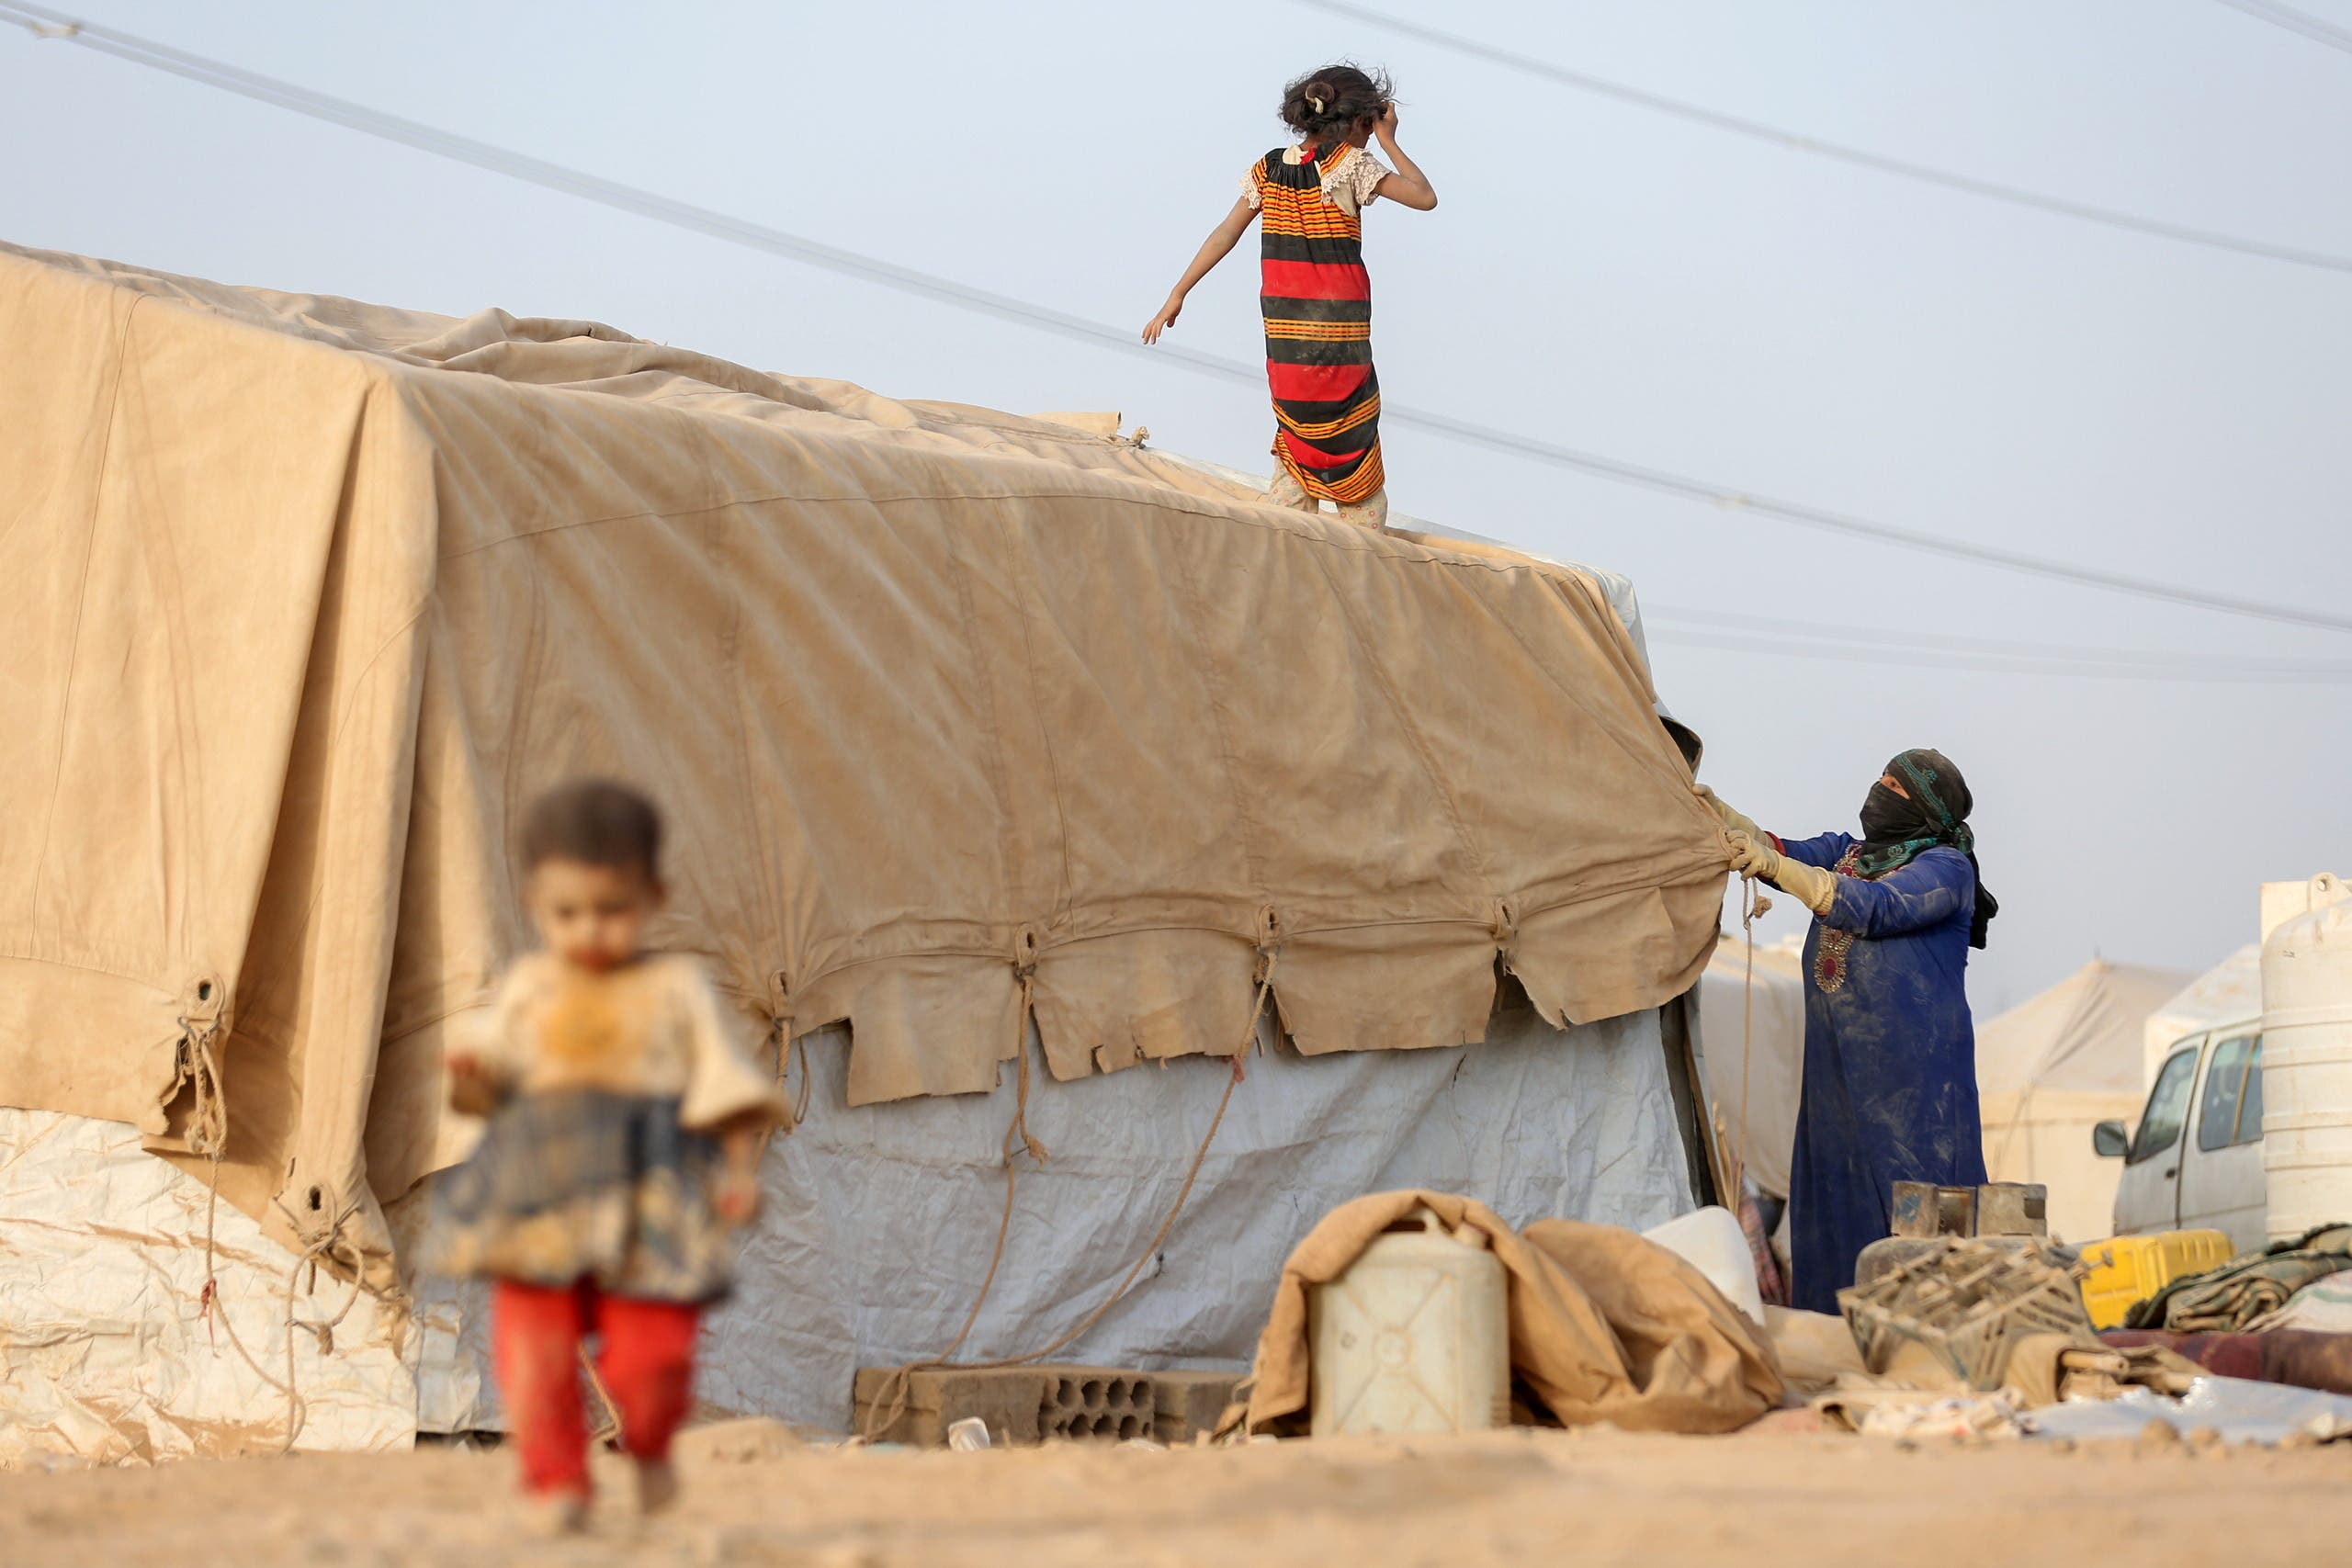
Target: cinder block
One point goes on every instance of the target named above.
(935, 1398)
(2013, 1208)
(1030, 1404)
(1922, 1209)
(1187, 1403)
(1095, 1401)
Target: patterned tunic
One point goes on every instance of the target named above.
(599, 1163)
(1317, 300)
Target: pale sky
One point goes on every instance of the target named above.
(1596, 275)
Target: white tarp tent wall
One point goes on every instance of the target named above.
(110, 1353)
(883, 1216)
(2051, 1069)
(1766, 1077)
(990, 736)
(2230, 992)
(877, 1229)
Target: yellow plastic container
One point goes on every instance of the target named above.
(2129, 1269)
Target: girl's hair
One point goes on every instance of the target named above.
(593, 822)
(1335, 101)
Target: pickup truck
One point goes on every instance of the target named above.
(2196, 1161)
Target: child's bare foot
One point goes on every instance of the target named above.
(553, 1514)
(657, 1486)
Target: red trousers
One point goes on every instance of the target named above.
(647, 1360)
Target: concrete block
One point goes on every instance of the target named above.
(1187, 1403)
(1095, 1401)
(1005, 1398)
(1033, 1405)
(1922, 1209)
(2013, 1208)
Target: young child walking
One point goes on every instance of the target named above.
(622, 1151)
(1316, 297)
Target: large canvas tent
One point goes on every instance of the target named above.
(982, 739)
(2052, 1068)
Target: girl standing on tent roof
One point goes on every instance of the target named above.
(1313, 292)
(1890, 1051)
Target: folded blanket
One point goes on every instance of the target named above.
(2222, 1300)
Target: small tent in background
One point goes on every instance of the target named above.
(2229, 992)
(1753, 1044)
(2052, 1068)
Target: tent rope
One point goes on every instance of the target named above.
(207, 1124)
(899, 1385)
(808, 1087)
(1749, 899)
(325, 1242)
(789, 1049)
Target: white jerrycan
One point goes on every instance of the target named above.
(1413, 1337)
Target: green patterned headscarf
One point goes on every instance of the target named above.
(1932, 810)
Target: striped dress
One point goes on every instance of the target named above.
(1317, 299)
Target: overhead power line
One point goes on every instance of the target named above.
(2296, 21)
(1798, 142)
(1846, 653)
(1809, 639)
(775, 242)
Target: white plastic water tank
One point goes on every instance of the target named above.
(1413, 1337)
(2307, 1064)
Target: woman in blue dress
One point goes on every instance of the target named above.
(1890, 1051)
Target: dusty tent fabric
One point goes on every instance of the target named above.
(956, 714)
(1766, 1021)
(1605, 1325)
(877, 1229)
(2054, 1067)
(110, 1352)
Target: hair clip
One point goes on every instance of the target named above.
(1316, 104)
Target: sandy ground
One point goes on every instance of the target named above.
(1598, 1498)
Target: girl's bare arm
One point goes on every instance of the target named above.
(1407, 186)
(1215, 249)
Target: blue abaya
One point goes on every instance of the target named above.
(1890, 1057)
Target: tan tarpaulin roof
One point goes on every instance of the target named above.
(2052, 1068)
(309, 596)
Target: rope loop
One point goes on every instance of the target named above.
(199, 1064)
